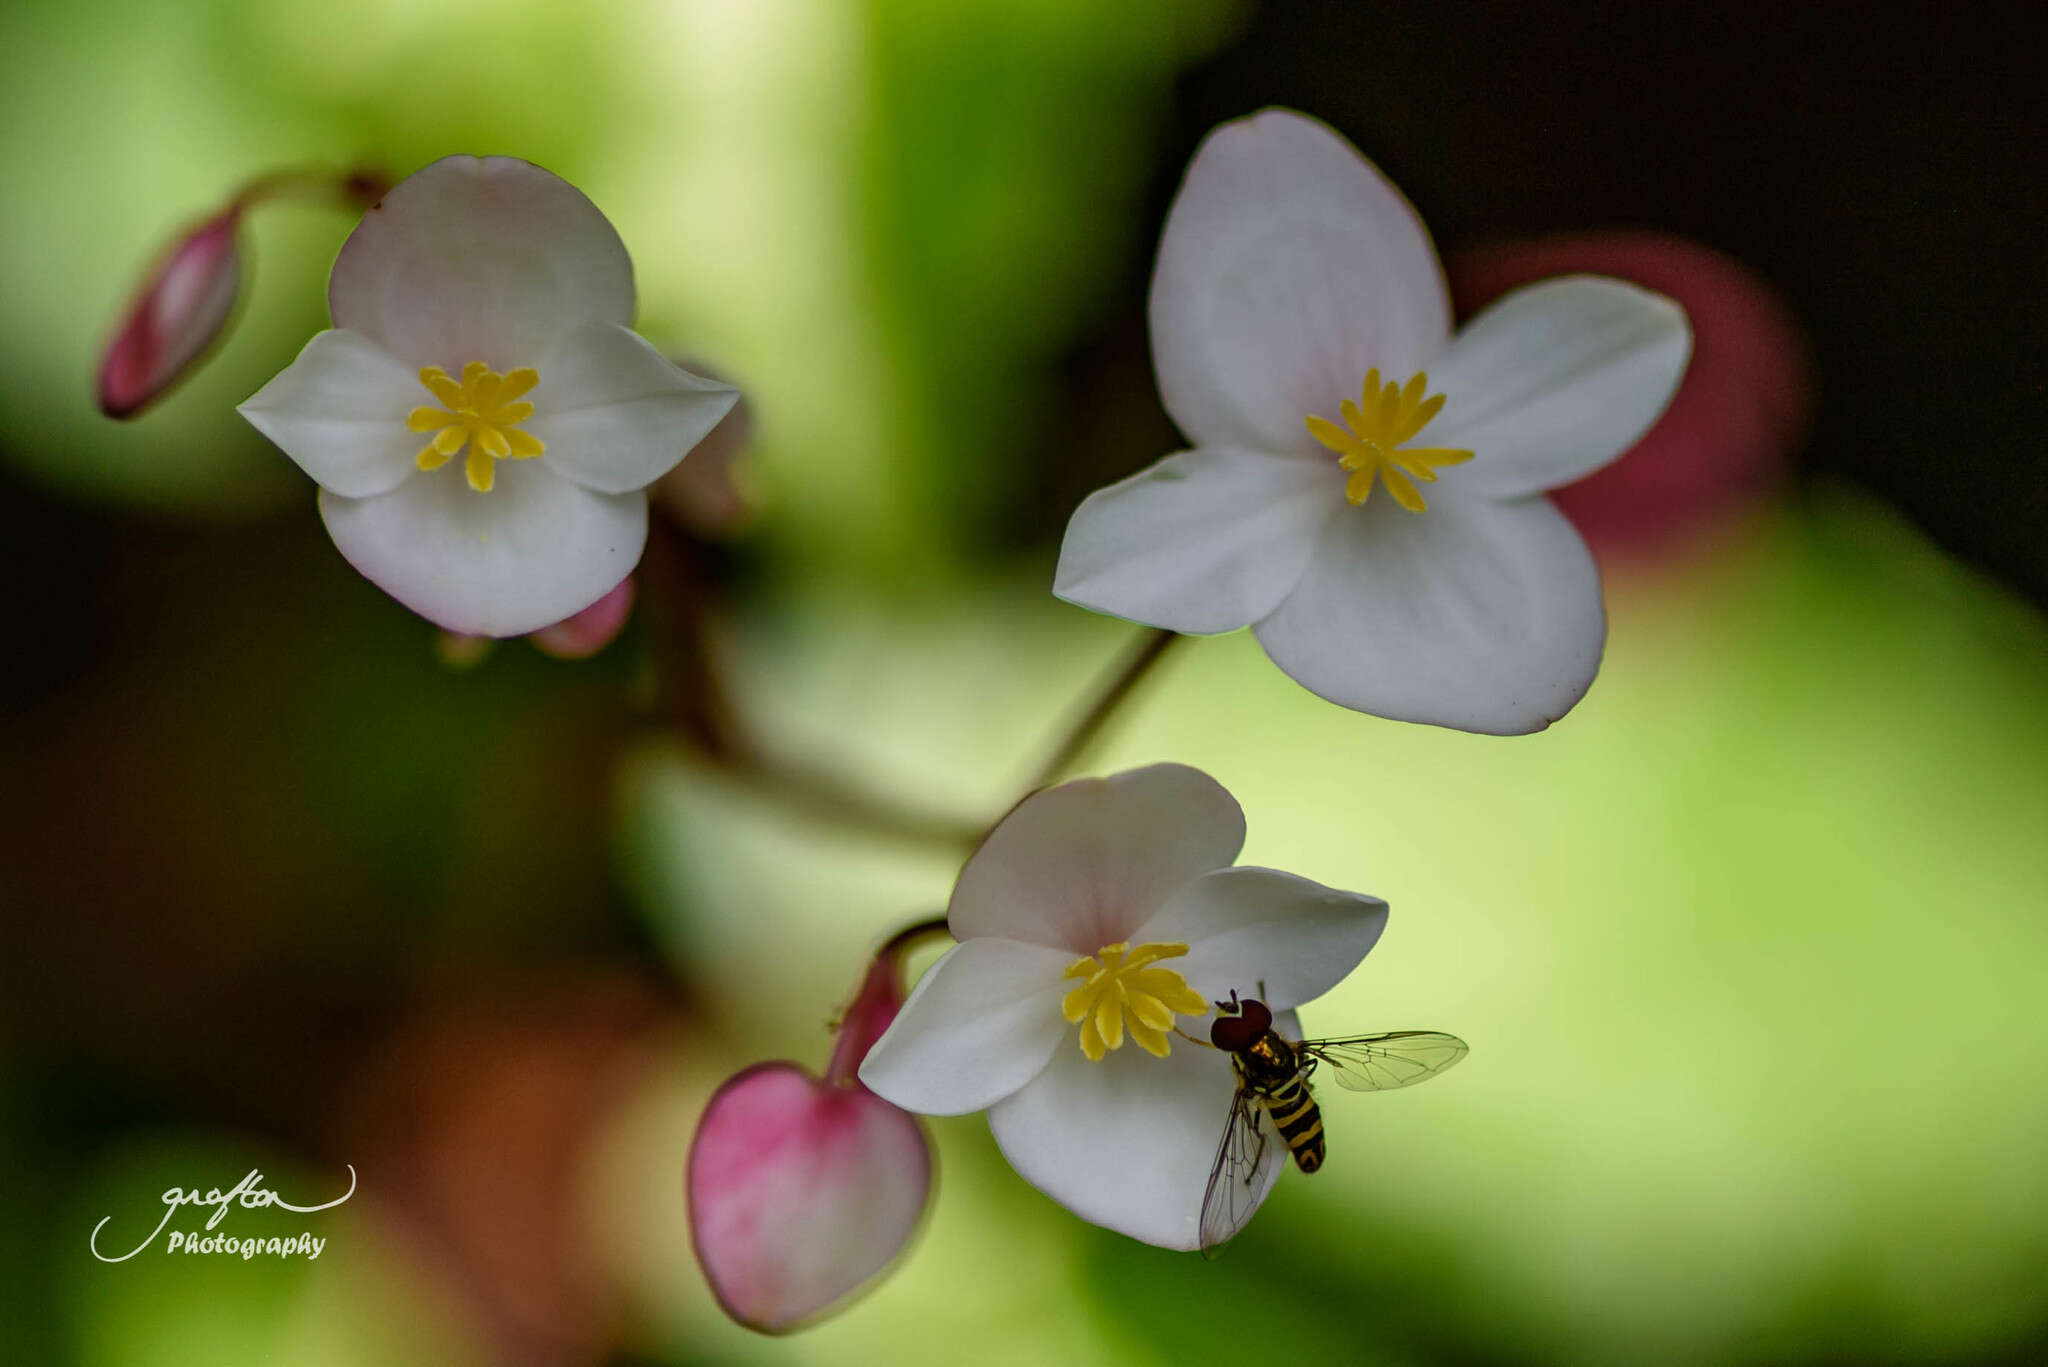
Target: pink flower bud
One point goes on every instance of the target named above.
(582, 635)
(803, 1192)
(179, 312)
(1738, 415)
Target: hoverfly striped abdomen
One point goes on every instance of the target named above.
(1299, 1120)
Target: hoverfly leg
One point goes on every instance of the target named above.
(1252, 1169)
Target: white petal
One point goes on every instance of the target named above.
(1477, 615)
(1266, 934)
(980, 1024)
(1288, 268)
(1554, 381)
(339, 412)
(1126, 1143)
(1204, 541)
(615, 413)
(532, 551)
(479, 259)
(1083, 865)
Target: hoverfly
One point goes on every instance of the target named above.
(1272, 1082)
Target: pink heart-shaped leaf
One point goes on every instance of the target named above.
(802, 1192)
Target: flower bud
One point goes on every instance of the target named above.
(576, 637)
(804, 1191)
(583, 634)
(1737, 416)
(179, 312)
(455, 650)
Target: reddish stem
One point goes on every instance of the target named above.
(875, 1003)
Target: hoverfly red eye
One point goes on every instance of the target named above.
(1242, 1027)
(1233, 1034)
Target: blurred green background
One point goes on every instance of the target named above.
(1749, 949)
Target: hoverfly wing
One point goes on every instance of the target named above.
(1247, 1162)
(1380, 1063)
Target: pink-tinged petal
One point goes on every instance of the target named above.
(1204, 541)
(1267, 934)
(876, 1003)
(1557, 379)
(582, 635)
(534, 550)
(1476, 615)
(1083, 865)
(615, 413)
(485, 259)
(1127, 1142)
(1740, 412)
(1288, 268)
(177, 314)
(339, 412)
(980, 1024)
(801, 1194)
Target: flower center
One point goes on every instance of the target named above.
(1119, 981)
(481, 412)
(1380, 424)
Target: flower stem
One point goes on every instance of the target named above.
(902, 940)
(357, 188)
(875, 1002)
(838, 799)
(698, 701)
(1116, 687)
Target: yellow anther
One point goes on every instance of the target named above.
(481, 411)
(1121, 990)
(1378, 424)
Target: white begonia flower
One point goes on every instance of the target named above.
(1301, 335)
(1090, 920)
(481, 421)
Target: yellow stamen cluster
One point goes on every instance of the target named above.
(1120, 981)
(479, 412)
(1379, 423)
